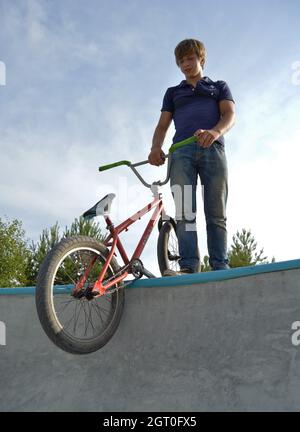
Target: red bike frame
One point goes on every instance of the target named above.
(114, 242)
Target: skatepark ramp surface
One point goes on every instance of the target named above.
(218, 341)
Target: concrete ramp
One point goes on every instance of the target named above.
(219, 341)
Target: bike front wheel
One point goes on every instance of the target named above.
(80, 324)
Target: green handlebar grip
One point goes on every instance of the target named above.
(113, 165)
(179, 144)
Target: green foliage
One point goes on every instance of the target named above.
(244, 252)
(38, 251)
(205, 267)
(13, 254)
(50, 237)
(84, 227)
(20, 262)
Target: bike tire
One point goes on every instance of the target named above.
(46, 290)
(167, 248)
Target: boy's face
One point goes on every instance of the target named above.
(190, 65)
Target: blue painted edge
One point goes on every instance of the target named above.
(189, 279)
(215, 276)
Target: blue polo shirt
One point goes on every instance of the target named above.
(195, 108)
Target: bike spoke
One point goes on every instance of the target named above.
(73, 281)
(68, 323)
(86, 319)
(90, 317)
(173, 249)
(101, 308)
(97, 312)
(80, 317)
(66, 304)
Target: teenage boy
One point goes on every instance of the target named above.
(203, 108)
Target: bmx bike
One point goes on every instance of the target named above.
(80, 286)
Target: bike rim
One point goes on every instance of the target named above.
(173, 250)
(81, 319)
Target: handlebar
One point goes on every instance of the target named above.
(182, 143)
(113, 165)
(173, 147)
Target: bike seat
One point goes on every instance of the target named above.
(101, 208)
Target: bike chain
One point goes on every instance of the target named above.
(113, 277)
(123, 285)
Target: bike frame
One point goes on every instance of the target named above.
(113, 241)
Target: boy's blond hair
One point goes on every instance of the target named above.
(190, 46)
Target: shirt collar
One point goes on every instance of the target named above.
(204, 79)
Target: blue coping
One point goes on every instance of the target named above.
(189, 279)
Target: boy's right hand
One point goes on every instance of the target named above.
(156, 157)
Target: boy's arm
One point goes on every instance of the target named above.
(156, 156)
(226, 122)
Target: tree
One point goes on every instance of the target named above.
(38, 251)
(13, 254)
(50, 237)
(244, 252)
(205, 266)
(84, 227)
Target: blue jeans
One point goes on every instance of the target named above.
(210, 164)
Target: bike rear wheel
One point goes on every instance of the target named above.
(167, 248)
(81, 324)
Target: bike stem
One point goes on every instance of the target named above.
(157, 183)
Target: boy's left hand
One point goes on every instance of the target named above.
(206, 137)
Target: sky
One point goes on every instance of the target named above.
(81, 85)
